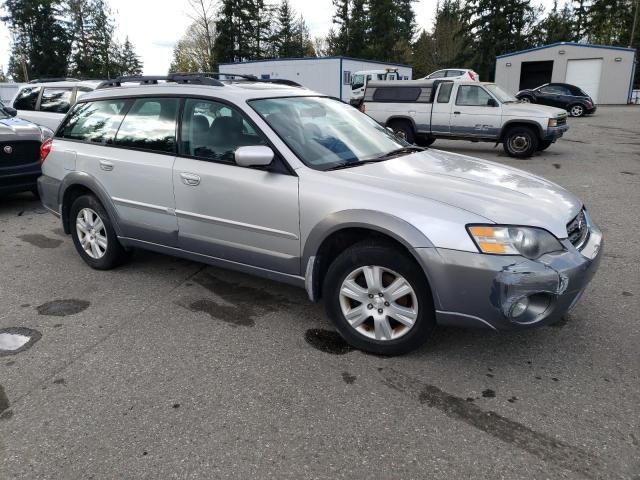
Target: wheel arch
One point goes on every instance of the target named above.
(402, 118)
(521, 123)
(79, 183)
(343, 229)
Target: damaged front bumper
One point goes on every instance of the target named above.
(479, 290)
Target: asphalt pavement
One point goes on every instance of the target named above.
(166, 368)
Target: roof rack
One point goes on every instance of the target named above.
(57, 79)
(196, 78)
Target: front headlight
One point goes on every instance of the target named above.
(553, 122)
(529, 242)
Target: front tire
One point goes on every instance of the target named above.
(378, 299)
(576, 110)
(544, 144)
(520, 142)
(93, 234)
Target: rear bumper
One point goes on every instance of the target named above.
(553, 133)
(591, 110)
(49, 189)
(19, 178)
(477, 290)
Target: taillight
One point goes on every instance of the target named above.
(362, 108)
(471, 75)
(45, 149)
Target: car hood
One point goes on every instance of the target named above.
(502, 195)
(532, 110)
(14, 128)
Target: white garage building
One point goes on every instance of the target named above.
(328, 75)
(605, 73)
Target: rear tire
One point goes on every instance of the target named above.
(520, 142)
(576, 110)
(93, 234)
(403, 129)
(526, 100)
(360, 284)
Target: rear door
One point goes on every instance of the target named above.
(243, 215)
(129, 147)
(473, 115)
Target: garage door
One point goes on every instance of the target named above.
(586, 75)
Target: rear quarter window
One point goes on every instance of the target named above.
(27, 98)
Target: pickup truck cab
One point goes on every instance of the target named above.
(420, 111)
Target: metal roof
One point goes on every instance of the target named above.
(334, 57)
(566, 44)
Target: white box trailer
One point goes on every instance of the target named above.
(328, 75)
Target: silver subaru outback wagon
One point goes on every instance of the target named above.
(278, 181)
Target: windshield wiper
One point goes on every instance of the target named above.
(385, 156)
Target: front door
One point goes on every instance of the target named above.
(242, 215)
(475, 113)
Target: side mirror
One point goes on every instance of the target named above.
(254, 156)
(11, 111)
(492, 102)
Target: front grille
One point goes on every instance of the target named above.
(21, 152)
(562, 121)
(578, 230)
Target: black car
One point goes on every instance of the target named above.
(20, 142)
(562, 95)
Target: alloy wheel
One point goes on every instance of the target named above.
(378, 303)
(92, 233)
(525, 100)
(577, 111)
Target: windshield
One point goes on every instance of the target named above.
(357, 82)
(326, 133)
(500, 94)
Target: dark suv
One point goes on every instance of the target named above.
(562, 95)
(20, 142)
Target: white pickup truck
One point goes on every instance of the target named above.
(423, 110)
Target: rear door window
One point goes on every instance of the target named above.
(150, 124)
(27, 98)
(56, 100)
(95, 122)
(454, 73)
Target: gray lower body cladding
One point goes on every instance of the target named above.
(478, 290)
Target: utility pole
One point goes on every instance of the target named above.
(635, 21)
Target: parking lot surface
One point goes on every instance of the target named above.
(165, 368)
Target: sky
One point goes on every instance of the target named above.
(154, 26)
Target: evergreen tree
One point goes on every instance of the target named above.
(557, 26)
(40, 41)
(382, 34)
(450, 36)
(341, 19)
(609, 21)
(128, 62)
(499, 26)
(581, 15)
(228, 30)
(358, 29)
(286, 34)
(423, 54)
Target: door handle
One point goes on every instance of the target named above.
(456, 113)
(106, 166)
(190, 179)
